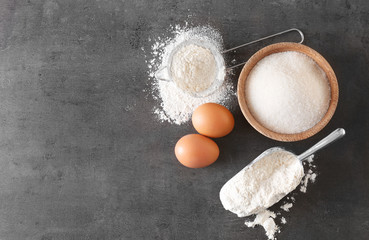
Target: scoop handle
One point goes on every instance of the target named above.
(335, 135)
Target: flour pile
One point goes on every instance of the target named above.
(261, 185)
(174, 104)
(265, 219)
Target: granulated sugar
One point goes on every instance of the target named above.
(172, 103)
(287, 92)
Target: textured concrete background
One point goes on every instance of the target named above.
(82, 157)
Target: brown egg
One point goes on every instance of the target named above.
(196, 151)
(213, 120)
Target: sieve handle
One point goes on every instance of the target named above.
(158, 74)
(262, 39)
(335, 135)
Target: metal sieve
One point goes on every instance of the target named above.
(164, 72)
(219, 60)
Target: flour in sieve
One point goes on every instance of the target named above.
(173, 104)
(194, 68)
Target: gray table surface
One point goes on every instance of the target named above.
(82, 156)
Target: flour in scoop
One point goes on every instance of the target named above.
(260, 185)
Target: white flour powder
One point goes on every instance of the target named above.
(262, 184)
(287, 92)
(233, 196)
(194, 68)
(174, 104)
(265, 218)
(309, 176)
(286, 207)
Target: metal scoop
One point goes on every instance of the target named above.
(251, 199)
(335, 135)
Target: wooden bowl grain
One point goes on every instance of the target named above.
(283, 47)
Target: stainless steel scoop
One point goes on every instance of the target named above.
(335, 135)
(245, 193)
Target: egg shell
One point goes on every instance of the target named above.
(213, 120)
(196, 151)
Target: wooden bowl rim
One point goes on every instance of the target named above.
(283, 47)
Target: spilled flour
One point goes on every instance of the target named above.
(309, 176)
(287, 207)
(265, 219)
(173, 104)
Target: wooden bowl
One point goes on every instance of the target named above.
(283, 47)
